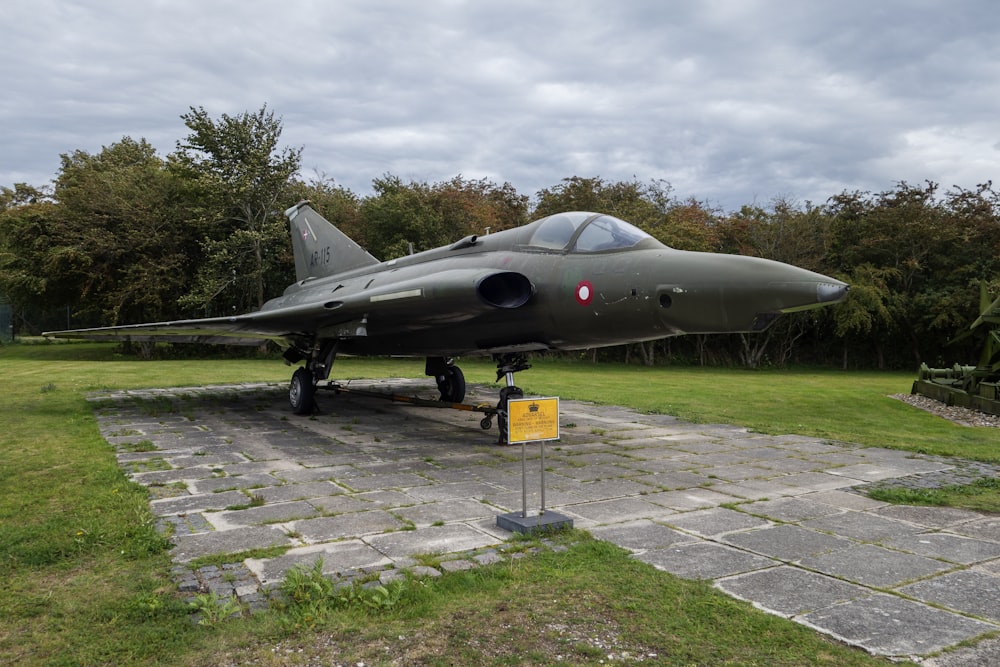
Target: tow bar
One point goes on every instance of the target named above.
(485, 423)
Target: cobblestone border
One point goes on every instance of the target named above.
(235, 580)
(962, 472)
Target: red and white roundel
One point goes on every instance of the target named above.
(584, 293)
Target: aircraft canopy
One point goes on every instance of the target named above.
(585, 232)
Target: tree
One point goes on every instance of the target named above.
(423, 216)
(23, 194)
(929, 252)
(123, 238)
(25, 243)
(245, 179)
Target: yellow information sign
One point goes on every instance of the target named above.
(532, 419)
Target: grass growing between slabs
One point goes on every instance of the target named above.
(86, 576)
(590, 604)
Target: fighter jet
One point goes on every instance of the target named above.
(569, 281)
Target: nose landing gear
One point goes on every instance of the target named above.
(507, 365)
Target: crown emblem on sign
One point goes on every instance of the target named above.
(533, 407)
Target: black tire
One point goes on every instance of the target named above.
(506, 394)
(452, 385)
(302, 392)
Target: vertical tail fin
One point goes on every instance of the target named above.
(321, 249)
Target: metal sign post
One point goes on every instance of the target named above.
(533, 420)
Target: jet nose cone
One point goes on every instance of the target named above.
(804, 290)
(831, 292)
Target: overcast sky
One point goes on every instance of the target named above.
(731, 101)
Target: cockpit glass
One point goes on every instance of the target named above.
(556, 231)
(608, 233)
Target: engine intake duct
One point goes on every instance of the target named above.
(506, 289)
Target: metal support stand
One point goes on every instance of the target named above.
(544, 522)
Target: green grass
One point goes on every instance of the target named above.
(843, 406)
(981, 495)
(576, 607)
(86, 576)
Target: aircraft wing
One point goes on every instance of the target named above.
(251, 329)
(443, 298)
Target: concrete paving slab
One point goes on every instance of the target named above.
(789, 591)
(588, 473)
(968, 591)
(947, 546)
(386, 499)
(304, 491)
(992, 566)
(675, 479)
(199, 503)
(514, 500)
(788, 465)
(455, 509)
(760, 489)
(610, 488)
(847, 501)
(714, 522)
(791, 509)
(704, 560)
(266, 514)
(448, 491)
(862, 526)
(984, 654)
(722, 459)
(690, 499)
(868, 472)
(407, 470)
(401, 480)
(888, 625)
(987, 529)
(618, 510)
(230, 483)
(589, 459)
(344, 504)
(817, 481)
(324, 529)
(738, 472)
(786, 542)
(931, 517)
(338, 558)
(702, 447)
(642, 535)
(447, 539)
(189, 547)
(874, 566)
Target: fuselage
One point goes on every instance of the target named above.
(570, 281)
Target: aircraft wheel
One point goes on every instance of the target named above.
(452, 385)
(302, 392)
(506, 394)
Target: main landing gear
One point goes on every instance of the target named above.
(302, 392)
(449, 378)
(302, 389)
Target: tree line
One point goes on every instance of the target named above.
(125, 236)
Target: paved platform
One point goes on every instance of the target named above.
(370, 487)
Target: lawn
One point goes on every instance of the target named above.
(87, 578)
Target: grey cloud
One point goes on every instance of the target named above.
(732, 101)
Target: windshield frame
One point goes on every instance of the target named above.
(601, 233)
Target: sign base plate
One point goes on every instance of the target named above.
(549, 522)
